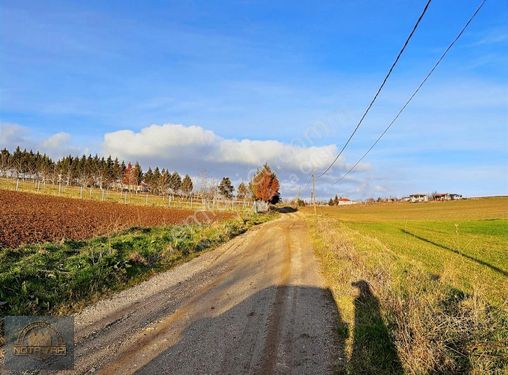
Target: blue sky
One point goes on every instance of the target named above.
(215, 88)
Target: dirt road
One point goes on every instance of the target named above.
(256, 305)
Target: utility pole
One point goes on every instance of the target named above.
(313, 199)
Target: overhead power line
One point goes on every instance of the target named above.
(380, 87)
(417, 89)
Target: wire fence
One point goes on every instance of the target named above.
(194, 201)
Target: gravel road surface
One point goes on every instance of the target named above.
(256, 305)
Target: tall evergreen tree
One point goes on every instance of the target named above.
(226, 188)
(156, 181)
(148, 177)
(138, 173)
(242, 192)
(117, 170)
(164, 181)
(175, 182)
(187, 185)
(5, 160)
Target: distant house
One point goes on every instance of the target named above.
(415, 198)
(340, 201)
(447, 196)
(442, 197)
(143, 187)
(344, 201)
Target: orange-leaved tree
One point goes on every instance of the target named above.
(265, 185)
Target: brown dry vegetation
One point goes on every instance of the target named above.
(32, 218)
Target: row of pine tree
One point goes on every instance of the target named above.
(109, 173)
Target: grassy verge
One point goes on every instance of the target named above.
(56, 278)
(409, 305)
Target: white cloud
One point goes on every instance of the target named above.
(155, 139)
(199, 152)
(56, 141)
(179, 146)
(56, 145)
(12, 135)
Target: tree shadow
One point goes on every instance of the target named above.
(285, 210)
(373, 349)
(278, 330)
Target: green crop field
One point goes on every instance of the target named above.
(445, 263)
(466, 242)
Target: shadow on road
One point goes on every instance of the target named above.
(282, 329)
(285, 210)
(373, 349)
(263, 334)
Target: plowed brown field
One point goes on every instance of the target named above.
(33, 218)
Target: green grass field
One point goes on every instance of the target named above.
(438, 273)
(464, 242)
